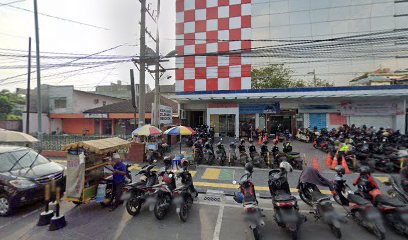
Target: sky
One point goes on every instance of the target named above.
(115, 26)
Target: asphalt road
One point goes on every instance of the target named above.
(208, 220)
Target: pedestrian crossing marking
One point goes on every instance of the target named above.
(134, 167)
(211, 174)
(227, 174)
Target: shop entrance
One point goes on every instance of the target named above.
(224, 124)
(195, 118)
(278, 123)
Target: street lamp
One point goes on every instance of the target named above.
(314, 77)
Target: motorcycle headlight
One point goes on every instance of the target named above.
(22, 183)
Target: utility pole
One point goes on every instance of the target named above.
(37, 51)
(28, 88)
(314, 77)
(156, 115)
(142, 88)
(132, 90)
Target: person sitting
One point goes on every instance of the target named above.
(366, 183)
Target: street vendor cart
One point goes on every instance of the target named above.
(86, 162)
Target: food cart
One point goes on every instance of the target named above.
(86, 161)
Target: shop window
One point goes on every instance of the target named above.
(246, 124)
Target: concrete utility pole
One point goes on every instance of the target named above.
(37, 51)
(132, 91)
(28, 88)
(314, 77)
(156, 121)
(142, 88)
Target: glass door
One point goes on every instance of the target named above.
(227, 125)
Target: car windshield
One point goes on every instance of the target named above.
(20, 159)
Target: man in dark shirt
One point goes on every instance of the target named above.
(119, 174)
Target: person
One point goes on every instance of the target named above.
(404, 178)
(309, 179)
(366, 183)
(344, 149)
(119, 175)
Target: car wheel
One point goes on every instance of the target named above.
(5, 206)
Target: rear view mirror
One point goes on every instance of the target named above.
(234, 182)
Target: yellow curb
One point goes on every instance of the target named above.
(382, 179)
(211, 174)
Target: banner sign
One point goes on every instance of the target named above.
(368, 109)
(259, 108)
(166, 114)
(75, 175)
(96, 115)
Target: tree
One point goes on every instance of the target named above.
(280, 76)
(8, 102)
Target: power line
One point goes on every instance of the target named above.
(9, 3)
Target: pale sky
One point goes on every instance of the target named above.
(121, 17)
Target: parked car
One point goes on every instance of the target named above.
(23, 175)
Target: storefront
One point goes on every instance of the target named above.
(235, 113)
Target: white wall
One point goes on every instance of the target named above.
(34, 123)
(85, 101)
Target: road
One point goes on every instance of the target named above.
(209, 219)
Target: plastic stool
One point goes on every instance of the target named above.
(177, 161)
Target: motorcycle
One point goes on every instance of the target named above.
(265, 154)
(396, 189)
(109, 191)
(153, 153)
(293, 158)
(254, 155)
(321, 204)
(198, 152)
(232, 155)
(243, 156)
(209, 153)
(361, 210)
(247, 197)
(163, 193)
(140, 191)
(221, 154)
(183, 195)
(394, 211)
(284, 203)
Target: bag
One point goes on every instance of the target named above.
(100, 193)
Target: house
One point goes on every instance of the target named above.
(119, 90)
(382, 77)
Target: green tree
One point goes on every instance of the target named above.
(8, 102)
(281, 76)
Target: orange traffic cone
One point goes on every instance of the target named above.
(315, 164)
(260, 140)
(335, 162)
(344, 164)
(329, 160)
(305, 160)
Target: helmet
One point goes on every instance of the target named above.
(167, 161)
(249, 167)
(286, 166)
(365, 170)
(184, 162)
(340, 170)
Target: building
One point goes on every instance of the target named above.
(119, 118)
(119, 90)
(62, 109)
(382, 77)
(232, 113)
(220, 42)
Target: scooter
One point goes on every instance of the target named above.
(246, 196)
(221, 154)
(361, 210)
(284, 203)
(183, 196)
(209, 153)
(140, 191)
(243, 156)
(254, 155)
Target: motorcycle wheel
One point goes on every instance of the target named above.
(183, 214)
(255, 231)
(294, 234)
(336, 231)
(159, 210)
(133, 206)
(379, 231)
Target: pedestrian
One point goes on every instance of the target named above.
(119, 175)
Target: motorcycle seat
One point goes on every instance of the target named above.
(394, 202)
(378, 156)
(293, 153)
(284, 197)
(358, 200)
(318, 196)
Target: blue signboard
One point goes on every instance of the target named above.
(317, 120)
(259, 108)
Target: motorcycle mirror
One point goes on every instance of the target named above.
(234, 182)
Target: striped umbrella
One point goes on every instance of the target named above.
(147, 130)
(180, 130)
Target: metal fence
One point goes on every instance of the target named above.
(54, 142)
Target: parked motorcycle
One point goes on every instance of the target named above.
(396, 189)
(232, 155)
(254, 155)
(183, 196)
(247, 196)
(198, 152)
(221, 153)
(361, 210)
(243, 156)
(209, 153)
(321, 204)
(153, 153)
(284, 203)
(140, 191)
(293, 158)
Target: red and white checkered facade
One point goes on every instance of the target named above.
(211, 26)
